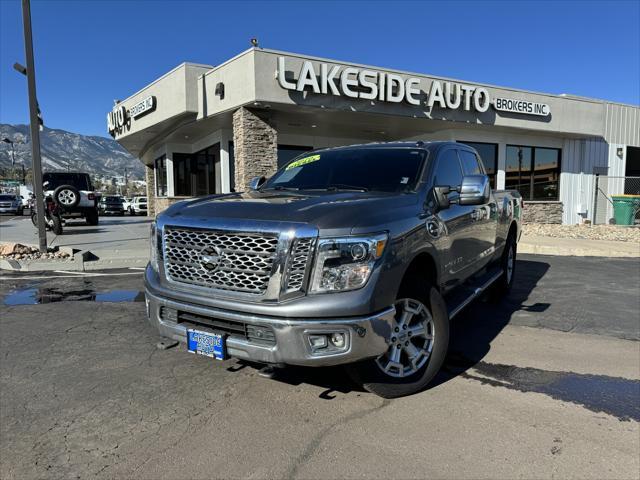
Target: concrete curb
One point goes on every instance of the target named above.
(80, 261)
(577, 251)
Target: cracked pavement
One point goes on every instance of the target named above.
(543, 385)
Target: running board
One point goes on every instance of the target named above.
(475, 293)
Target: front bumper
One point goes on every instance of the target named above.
(10, 209)
(366, 337)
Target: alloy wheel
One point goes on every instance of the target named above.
(411, 340)
(66, 197)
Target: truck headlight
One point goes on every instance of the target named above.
(345, 263)
(153, 246)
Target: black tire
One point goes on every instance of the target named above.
(34, 218)
(503, 285)
(370, 375)
(57, 225)
(67, 196)
(92, 217)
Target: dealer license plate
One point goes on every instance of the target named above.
(206, 343)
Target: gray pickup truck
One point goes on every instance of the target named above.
(355, 255)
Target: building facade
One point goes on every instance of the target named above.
(202, 130)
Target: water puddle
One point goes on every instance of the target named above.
(37, 296)
(616, 396)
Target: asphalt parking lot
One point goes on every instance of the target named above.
(543, 385)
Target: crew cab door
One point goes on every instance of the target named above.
(456, 239)
(485, 221)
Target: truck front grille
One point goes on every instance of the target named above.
(298, 264)
(234, 261)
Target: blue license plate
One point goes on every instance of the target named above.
(206, 343)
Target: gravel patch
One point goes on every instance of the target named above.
(17, 251)
(587, 232)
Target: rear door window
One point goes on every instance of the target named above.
(80, 181)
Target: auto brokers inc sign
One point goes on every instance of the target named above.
(120, 117)
(367, 84)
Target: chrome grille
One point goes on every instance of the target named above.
(298, 264)
(244, 260)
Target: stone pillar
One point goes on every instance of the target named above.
(255, 147)
(150, 177)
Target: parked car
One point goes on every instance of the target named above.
(126, 204)
(111, 205)
(354, 255)
(138, 206)
(10, 203)
(75, 193)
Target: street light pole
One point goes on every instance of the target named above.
(34, 124)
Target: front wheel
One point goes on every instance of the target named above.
(418, 342)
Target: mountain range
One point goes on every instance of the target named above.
(62, 150)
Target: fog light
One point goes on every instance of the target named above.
(337, 340)
(318, 341)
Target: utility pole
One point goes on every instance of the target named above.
(34, 124)
(126, 183)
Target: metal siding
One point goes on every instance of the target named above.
(577, 181)
(622, 124)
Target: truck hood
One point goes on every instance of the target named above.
(330, 212)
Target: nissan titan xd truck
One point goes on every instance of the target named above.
(357, 256)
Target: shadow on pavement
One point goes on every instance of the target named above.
(475, 328)
(471, 336)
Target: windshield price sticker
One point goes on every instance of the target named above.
(303, 161)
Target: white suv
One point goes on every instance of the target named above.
(74, 192)
(138, 206)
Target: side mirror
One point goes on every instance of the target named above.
(256, 182)
(440, 196)
(474, 190)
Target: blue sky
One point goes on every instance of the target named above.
(91, 52)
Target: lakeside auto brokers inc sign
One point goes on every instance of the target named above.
(120, 116)
(389, 87)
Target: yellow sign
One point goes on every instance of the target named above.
(303, 161)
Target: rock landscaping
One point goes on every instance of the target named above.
(587, 232)
(18, 251)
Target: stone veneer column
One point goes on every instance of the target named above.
(255, 147)
(150, 177)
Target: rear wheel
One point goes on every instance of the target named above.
(503, 285)
(92, 217)
(418, 343)
(57, 225)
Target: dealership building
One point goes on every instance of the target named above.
(201, 129)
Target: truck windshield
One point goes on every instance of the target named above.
(359, 169)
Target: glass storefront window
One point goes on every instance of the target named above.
(489, 155)
(161, 176)
(196, 174)
(533, 171)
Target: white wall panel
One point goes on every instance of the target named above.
(622, 124)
